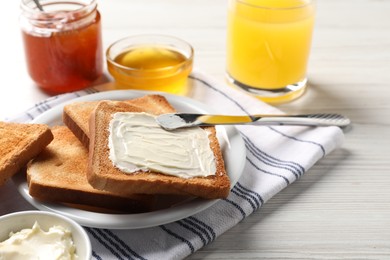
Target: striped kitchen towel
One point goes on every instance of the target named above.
(276, 156)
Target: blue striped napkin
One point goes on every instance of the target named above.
(276, 157)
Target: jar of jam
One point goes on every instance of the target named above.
(62, 42)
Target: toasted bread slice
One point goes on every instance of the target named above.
(76, 115)
(19, 143)
(58, 174)
(103, 175)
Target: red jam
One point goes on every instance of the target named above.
(64, 56)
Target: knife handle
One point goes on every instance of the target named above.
(304, 119)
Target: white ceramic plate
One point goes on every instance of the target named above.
(232, 145)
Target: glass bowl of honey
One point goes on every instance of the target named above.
(151, 62)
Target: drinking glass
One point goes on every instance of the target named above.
(268, 46)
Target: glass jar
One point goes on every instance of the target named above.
(62, 43)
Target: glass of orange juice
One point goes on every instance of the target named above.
(151, 62)
(268, 46)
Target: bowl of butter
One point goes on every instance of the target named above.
(42, 235)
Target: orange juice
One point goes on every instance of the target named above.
(268, 45)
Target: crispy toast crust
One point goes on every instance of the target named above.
(76, 115)
(103, 175)
(19, 143)
(59, 174)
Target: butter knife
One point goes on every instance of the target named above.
(181, 120)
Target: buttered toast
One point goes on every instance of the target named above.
(18, 144)
(58, 174)
(102, 174)
(76, 115)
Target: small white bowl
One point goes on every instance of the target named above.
(17, 221)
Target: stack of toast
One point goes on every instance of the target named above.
(75, 167)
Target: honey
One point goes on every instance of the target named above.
(150, 58)
(151, 67)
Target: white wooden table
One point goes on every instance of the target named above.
(340, 209)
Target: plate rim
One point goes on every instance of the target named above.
(138, 220)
